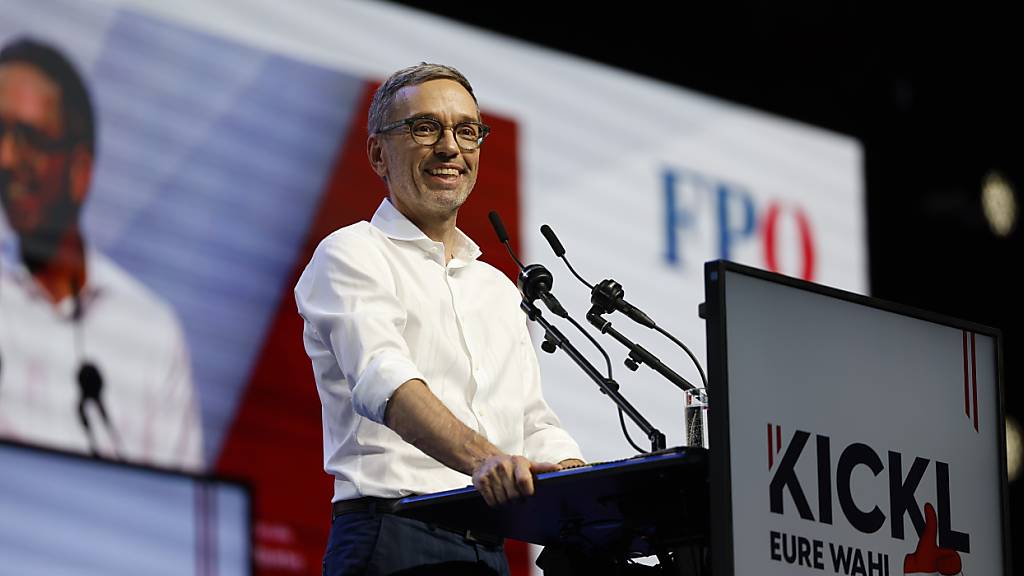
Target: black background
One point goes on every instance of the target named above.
(933, 94)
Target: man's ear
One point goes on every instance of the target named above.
(80, 172)
(375, 152)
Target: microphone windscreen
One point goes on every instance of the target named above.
(552, 240)
(499, 228)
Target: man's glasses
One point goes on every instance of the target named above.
(428, 131)
(29, 138)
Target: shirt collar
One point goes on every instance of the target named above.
(396, 226)
(11, 265)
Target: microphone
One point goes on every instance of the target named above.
(535, 281)
(90, 386)
(553, 241)
(607, 296)
(499, 229)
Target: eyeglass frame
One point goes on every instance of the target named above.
(484, 130)
(30, 138)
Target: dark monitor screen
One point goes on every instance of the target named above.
(68, 514)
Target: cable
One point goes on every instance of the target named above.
(608, 362)
(610, 293)
(573, 270)
(593, 340)
(622, 423)
(703, 378)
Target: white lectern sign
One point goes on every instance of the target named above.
(850, 436)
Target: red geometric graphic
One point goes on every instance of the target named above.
(772, 451)
(967, 386)
(970, 379)
(974, 382)
(928, 558)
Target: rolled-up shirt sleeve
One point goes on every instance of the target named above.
(347, 296)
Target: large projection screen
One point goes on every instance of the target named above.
(231, 138)
(850, 435)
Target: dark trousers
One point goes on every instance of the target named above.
(384, 544)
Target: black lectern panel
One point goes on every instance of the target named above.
(850, 435)
(633, 506)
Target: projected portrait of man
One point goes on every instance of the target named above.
(91, 360)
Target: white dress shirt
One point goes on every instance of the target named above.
(382, 307)
(132, 338)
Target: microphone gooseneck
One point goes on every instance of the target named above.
(559, 251)
(535, 281)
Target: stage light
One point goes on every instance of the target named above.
(1014, 448)
(999, 202)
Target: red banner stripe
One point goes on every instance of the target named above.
(974, 381)
(967, 392)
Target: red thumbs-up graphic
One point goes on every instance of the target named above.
(928, 558)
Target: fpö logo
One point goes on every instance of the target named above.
(939, 546)
(706, 214)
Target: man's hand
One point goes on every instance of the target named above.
(504, 478)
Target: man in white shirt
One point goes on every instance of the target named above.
(90, 360)
(423, 362)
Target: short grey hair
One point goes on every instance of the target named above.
(384, 98)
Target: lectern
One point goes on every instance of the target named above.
(598, 515)
(847, 436)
